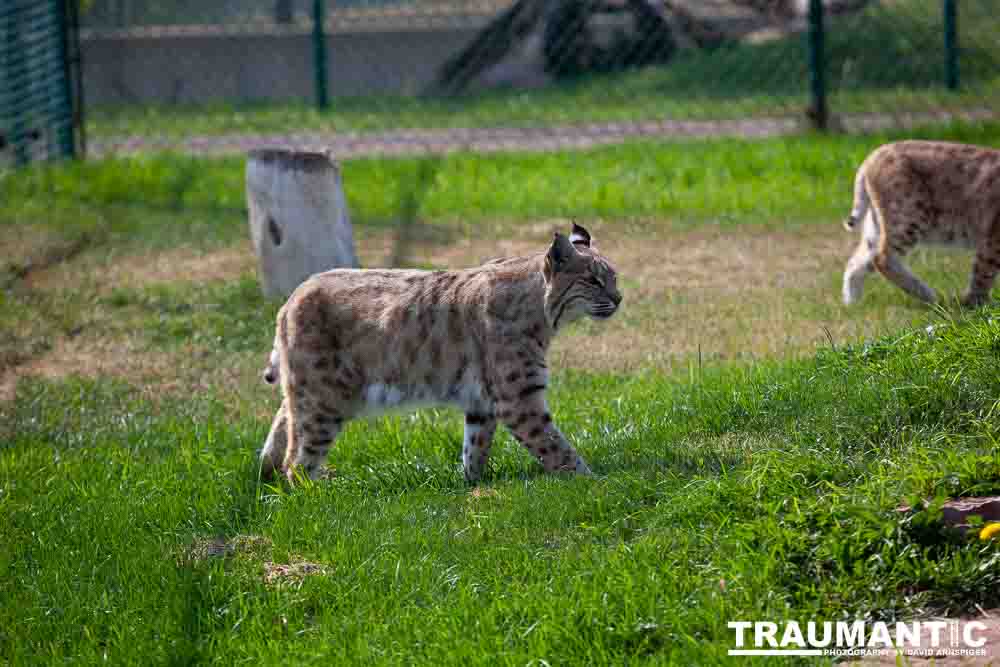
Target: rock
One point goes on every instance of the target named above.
(955, 513)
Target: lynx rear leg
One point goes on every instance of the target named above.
(985, 267)
(310, 434)
(479, 430)
(910, 221)
(315, 417)
(891, 266)
(273, 453)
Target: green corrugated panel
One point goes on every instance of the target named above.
(36, 107)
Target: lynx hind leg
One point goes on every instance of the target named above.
(479, 430)
(314, 421)
(861, 262)
(273, 454)
(910, 222)
(530, 422)
(891, 266)
(985, 267)
(311, 432)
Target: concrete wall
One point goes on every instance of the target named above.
(184, 68)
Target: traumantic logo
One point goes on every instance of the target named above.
(860, 638)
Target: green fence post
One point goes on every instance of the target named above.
(64, 102)
(817, 65)
(951, 44)
(76, 69)
(319, 53)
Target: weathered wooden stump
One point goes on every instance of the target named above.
(298, 217)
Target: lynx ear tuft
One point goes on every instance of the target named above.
(560, 252)
(579, 235)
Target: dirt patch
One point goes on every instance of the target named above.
(715, 295)
(291, 574)
(222, 547)
(252, 546)
(473, 252)
(703, 294)
(194, 265)
(91, 358)
(729, 261)
(479, 493)
(28, 251)
(20, 243)
(103, 274)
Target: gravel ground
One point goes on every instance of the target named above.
(429, 142)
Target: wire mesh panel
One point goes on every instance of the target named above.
(409, 75)
(894, 60)
(36, 98)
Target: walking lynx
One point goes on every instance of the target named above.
(355, 342)
(925, 191)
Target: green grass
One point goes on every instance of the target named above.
(779, 479)
(885, 59)
(727, 182)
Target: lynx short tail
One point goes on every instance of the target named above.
(272, 372)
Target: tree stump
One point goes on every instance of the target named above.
(298, 217)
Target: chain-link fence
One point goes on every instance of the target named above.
(397, 76)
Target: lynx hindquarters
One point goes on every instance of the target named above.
(924, 191)
(352, 342)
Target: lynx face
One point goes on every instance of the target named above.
(579, 281)
(354, 342)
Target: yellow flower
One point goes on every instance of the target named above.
(990, 530)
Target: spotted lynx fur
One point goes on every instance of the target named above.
(925, 191)
(356, 342)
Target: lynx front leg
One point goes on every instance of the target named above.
(479, 429)
(530, 422)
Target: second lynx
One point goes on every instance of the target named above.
(925, 192)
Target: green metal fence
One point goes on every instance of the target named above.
(427, 75)
(38, 83)
(904, 58)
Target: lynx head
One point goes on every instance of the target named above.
(578, 280)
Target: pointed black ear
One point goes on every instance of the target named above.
(579, 235)
(561, 251)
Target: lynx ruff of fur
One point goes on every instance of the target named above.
(925, 191)
(356, 342)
